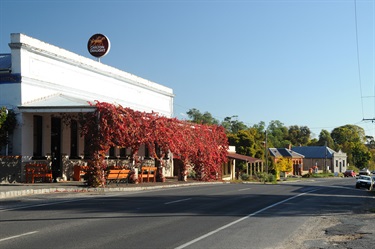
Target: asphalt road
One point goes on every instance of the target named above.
(204, 216)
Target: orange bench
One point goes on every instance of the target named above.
(37, 170)
(148, 173)
(117, 175)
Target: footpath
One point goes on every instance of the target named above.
(10, 190)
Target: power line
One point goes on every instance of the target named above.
(358, 60)
(373, 50)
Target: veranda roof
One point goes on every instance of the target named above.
(57, 103)
(248, 159)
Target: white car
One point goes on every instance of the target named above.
(364, 181)
(365, 172)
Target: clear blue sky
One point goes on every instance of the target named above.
(295, 61)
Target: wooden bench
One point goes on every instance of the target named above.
(148, 173)
(37, 170)
(79, 172)
(117, 175)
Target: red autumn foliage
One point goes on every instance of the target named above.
(202, 146)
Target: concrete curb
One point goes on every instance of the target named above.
(25, 192)
(28, 192)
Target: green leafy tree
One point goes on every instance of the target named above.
(313, 142)
(360, 156)
(325, 139)
(371, 146)
(8, 123)
(244, 142)
(247, 142)
(299, 135)
(370, 142)
(3, 116)
(351, 139)
(197, 117)
(260, 127)
(348, 133)
(277, 134)
(371, 163)
(232, 125)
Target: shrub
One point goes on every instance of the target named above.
(245, 177)
(271, 178)
(192, 174)
(266, 177)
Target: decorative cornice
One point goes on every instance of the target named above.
(87, 64)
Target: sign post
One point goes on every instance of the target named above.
(98, 45)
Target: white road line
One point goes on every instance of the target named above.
(108, 195)
(167, 203)
(241, 219)
(243, 189)
(17, 236)
(38, 205)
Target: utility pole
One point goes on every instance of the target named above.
(7, 134)
(266, 154)
(325, 159)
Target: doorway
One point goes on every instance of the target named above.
(56, 148)
(340, 168)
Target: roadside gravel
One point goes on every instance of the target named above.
(351, 230)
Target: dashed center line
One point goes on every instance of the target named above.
(171, 202)
(243, 189)
(241, 219)
(17, 236)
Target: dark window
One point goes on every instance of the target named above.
(38, 136)
(147, 152)
(74, 139)
(87, 142)
(112, 152)
(123, 152)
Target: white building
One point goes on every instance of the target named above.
(39, 82)
(323, 158)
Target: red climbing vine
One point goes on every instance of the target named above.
(204, 147)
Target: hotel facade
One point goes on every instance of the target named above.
(41, 83)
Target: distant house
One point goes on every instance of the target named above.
(323, 157)
(230, 171)
(297, 158)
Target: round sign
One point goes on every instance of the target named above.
(98, 45)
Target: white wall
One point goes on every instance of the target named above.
(27, 136)
(47, 70)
